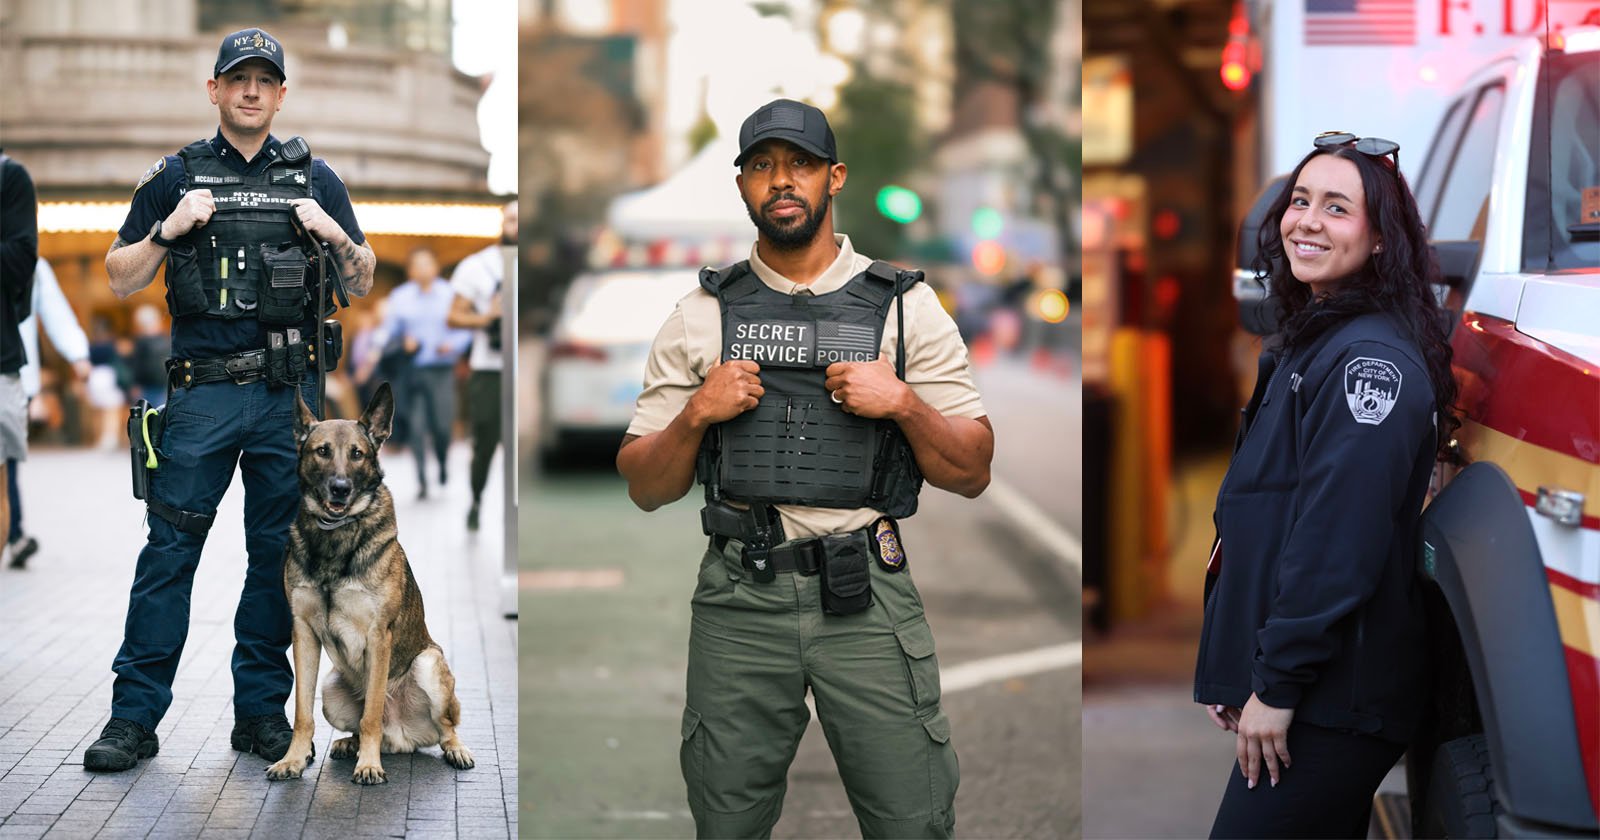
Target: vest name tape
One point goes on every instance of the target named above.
(775, 343)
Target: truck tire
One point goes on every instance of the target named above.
(1461, 798)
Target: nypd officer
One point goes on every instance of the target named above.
(226, 215)
(811, 390)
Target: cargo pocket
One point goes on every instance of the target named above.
(922, 667)
(692, 758)
(944, 776)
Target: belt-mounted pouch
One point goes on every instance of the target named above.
(332, 344)
(283, 284)
(144, 432)
(186, 288)
(846, 574)
(286, 357)
(887, 547)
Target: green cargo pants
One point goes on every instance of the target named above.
(754, 649)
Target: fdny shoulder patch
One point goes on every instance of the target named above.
(1371, 387)
(152, 172)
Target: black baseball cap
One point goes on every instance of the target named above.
(785, 119)
(247, 44)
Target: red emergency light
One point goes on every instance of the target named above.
(1235, 72)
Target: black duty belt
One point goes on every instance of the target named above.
(240, 368)
(803, 555)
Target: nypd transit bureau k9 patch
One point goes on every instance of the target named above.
(1371, 388)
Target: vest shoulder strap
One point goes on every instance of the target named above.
(884, 281)
(725, 285)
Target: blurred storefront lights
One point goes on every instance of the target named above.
(989, 258)
(987, 223)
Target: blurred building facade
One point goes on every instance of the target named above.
(97, 92)
(591, 124)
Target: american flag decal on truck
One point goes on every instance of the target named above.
(1354, 23)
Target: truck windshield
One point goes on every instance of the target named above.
(1562, 227)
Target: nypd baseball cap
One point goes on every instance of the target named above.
(247, 44)
(785, 119)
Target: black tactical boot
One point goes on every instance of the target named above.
(265, 735)
(122, 743)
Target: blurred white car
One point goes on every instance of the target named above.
(594, 368)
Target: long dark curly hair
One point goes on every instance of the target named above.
(1399, 279)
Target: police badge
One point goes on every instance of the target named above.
(1371, 387)
(886, 545)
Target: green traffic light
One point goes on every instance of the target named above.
(987, 223)
(900, 204)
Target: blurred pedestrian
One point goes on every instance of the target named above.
(19, 257)
(108, 385)
(232, 216)
(820, 408)
(1313, 648)
(478, 280)
(50, 307)
(147, 364)
(419, 310)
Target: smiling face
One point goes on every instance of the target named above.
(787, 191)
(1326, 232)
(247, 96)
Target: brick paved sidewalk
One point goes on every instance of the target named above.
(61, 623)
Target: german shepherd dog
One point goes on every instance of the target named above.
(352, 593)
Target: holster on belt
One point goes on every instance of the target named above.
(757, 527)
(144, 428)
(144, 433)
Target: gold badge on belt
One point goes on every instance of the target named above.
(886, 544)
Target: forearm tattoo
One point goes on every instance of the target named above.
(119, 242)
(356, 265)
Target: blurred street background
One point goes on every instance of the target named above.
(1191, 109)
(412, 106)
(958, 121)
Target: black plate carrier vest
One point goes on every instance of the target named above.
(798, 446)
(247, 261)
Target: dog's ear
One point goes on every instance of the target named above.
(303, 419)
(379, 416)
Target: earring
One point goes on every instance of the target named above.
(1378, 249)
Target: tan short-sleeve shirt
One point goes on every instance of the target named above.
(690, 343)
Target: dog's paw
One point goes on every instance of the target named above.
(369, 774)
(459, 758)
(345, 747)
(286, 768)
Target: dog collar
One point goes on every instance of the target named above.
(330, 524)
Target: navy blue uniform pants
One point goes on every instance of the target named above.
(209, 430)
(1326, 793)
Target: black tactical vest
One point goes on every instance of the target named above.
(247, 261)
(798, 446)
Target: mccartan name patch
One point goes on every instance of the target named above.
(1371, 387)
(775, 343)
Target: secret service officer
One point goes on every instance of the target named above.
(218, 213)
(804, 583)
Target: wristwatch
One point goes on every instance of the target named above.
(157, 238)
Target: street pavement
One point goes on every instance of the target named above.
(61, 623)
(605, 605)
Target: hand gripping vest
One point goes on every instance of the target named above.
(798, 446)
(248, 260)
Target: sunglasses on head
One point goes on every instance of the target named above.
(1375, 147)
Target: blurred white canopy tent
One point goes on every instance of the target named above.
(698, 202)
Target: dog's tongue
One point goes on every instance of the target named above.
(336, 508)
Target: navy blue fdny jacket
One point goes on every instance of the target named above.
(1316, 604)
